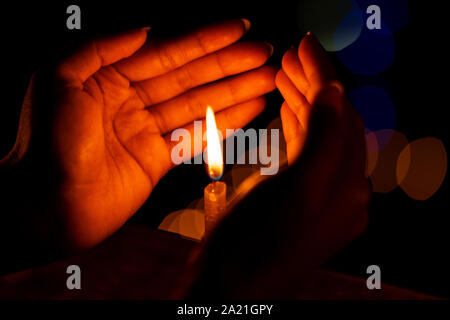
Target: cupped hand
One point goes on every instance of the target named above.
(99, 123)
(289, 224)
(326, 149)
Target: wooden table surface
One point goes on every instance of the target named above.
(139, 262)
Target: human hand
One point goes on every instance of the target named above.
(98, 124)
(311, 210)
(326, 146)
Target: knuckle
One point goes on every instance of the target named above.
(158, 119)
(279, 78)
(192, 104)
(184, 78)
(142, 93)
(220, 65)
(166, 59)
(287, 59)
(199, 38)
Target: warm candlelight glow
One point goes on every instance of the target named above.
(215, 193)
(214, 151)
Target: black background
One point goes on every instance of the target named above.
(408, 239)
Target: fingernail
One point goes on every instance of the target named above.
(246, 23)
(313, 40)
(308, 34)
(270, 48)
(146, 28)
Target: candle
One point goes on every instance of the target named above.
(215, 194)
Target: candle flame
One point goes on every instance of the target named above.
(214, 151)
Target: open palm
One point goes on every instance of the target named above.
(113, 105)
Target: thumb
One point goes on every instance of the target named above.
(98, 53)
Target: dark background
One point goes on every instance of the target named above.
(408, 239)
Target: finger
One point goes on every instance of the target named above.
(294, 70)
(294, 98)
(293, 132)
(153, 61)
(192, 105)
(316, 64)
(100, 52)
(153, 152)
(223, 63)
(324, 146)
(234, 117)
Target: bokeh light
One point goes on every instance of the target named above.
(372, 53)
(421, 167)
(394, 13)
(335, 23)
(384, 177)
(348, 30)
(376, 109)
(189, 223)
(372, 152)
(171, 222)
